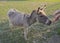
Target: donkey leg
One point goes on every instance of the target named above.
(10, 24)
(26, 33)
(26, 29)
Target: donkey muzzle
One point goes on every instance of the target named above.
(48, 22)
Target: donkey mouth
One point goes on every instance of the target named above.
(48, 22)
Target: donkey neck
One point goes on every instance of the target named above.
(31, 20)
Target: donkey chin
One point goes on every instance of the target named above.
(48, 22)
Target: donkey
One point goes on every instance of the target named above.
(41, 12)
(17, 18)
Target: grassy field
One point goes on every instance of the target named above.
(35, 0)
(16, 35)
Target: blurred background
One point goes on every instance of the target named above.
(38, 32)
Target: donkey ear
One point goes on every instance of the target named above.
(38, 9)
(43, 7)
(33, 11)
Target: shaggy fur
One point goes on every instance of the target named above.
(17, 18)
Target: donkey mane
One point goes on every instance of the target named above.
(30, 19)
(32, 13)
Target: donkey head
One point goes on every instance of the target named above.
(42, 17)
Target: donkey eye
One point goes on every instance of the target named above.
(41, 16)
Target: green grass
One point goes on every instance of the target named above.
(35, 0)
(16, 35)
(46, 0)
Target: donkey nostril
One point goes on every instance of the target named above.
(49, 23)
(41, 16)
